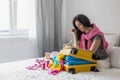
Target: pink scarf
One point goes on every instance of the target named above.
(90, 35)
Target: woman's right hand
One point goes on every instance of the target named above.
(74, 31)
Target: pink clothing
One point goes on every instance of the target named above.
(40, 63)
(43, 64)
(95, 31)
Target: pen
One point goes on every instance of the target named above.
(70, 42)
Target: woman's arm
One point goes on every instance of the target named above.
(95, 45)
(75, 37)
(76, 42)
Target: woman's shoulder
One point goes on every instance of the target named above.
(97, 37)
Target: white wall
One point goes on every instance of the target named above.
(105, 13)
(15, 48)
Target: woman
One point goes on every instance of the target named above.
(88, 36)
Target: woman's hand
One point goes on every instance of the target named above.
(68, 46)
(75, 36)
(74, 31)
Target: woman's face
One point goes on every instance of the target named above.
(80, 26)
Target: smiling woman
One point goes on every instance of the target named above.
(88, 36)
(80, 26)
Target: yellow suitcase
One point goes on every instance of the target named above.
(79, 53)
(80, 68)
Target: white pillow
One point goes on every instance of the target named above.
(115, 57)
(112, 39)
(109, 49)
(105, 64)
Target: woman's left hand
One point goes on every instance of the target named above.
(68, 46)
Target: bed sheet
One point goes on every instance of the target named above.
(17, 71)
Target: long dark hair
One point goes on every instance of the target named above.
(84, 20)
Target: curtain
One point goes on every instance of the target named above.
(46, 33)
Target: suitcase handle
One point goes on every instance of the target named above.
(74, 51)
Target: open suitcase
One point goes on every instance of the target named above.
(87, 56)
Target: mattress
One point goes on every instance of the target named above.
(17, 71)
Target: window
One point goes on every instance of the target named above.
(4, 15)
(22, 14)
(14, 16)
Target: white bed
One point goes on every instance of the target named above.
(17, 71)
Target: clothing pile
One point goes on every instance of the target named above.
(70, 60)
